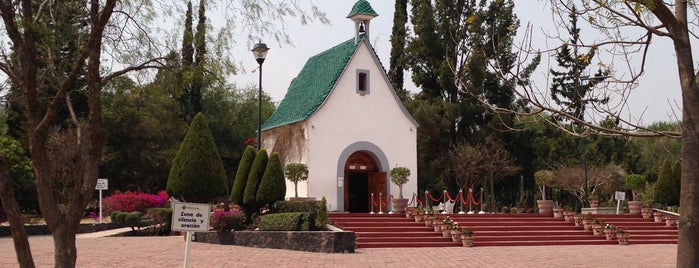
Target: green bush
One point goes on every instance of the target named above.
(161, 219)
(197, 173)
(292, 221)
(133, 219)
(322, 214)
(241, 175)
(120, 217)
(256, 172)
(295, 206)
(272, 186)
(113, 216)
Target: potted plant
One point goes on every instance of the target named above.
(446, 226)
(455, 232)
(635, 182)
(544, 178)
(647, 198)
(568, 213)
(597, 226)
(622, 236)
(296, 172)
(587, 222)
(594, 201)
(557, 212)
(610, 231)
(467, 236)
(658, 216)
(399, 176)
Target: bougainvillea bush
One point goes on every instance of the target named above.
(227, 220)
(134, 201)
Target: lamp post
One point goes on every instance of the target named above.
(260, 52)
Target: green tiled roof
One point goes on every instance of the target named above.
(362, 7)
(312, 86)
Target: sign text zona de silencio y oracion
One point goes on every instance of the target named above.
(182, 219)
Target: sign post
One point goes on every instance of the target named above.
(190, 217)
(619, 196)
(102, 184)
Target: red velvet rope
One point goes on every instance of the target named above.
(473, 200)
(438, 199)
(373, 201)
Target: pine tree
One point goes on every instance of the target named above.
(571, 86)
(197, 173)
(241, 175)
(272, 187)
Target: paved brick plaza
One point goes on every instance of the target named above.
(169, 252)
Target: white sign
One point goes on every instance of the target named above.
(190, 217)
(619, 195)
(102, 184)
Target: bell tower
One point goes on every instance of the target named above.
(361, 14)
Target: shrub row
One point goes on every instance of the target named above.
(134, 201)
(290, 221)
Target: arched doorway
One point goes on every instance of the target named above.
(362, 178)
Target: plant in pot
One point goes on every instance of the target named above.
(636, 183)
(597, 227)
(455, 232)
(399, 176)
(544, 178)
(610, 231)
(594, 201)
(296, 172)
(622, 236)
(467, 236)
(647, 198)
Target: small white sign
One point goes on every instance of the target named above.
(102, 184)
(619, 195)
(190, 217)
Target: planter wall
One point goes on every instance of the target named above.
(313, 241)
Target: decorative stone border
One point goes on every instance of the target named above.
(313, 241)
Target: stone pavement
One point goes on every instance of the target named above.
(94, 251)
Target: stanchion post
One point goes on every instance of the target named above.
(470, 203)
(481, 212)
(461, 201)
(427, 204)
(371, 203)
(380, 203)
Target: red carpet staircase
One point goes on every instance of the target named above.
(396, 231)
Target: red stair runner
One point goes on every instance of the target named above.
(396, 231)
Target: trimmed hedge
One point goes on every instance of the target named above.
(295, 206)
(241, 176)
(292, 221)
(272, 187)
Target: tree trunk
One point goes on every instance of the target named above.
(688, 244)
(14, 216)
(296, 189)
(65, 254)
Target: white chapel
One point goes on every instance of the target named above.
(342, 118)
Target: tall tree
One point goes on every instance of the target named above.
(571, 87)
(457, 41)
(398, 39)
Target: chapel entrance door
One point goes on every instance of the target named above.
(362, 178)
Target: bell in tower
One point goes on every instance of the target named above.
(361, 14)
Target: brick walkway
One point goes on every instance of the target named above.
(169, 252)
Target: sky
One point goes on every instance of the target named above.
(656, 98)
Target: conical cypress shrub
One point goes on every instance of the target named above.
(241, 176)
(272, 187)
(197, 173)
(258, 168)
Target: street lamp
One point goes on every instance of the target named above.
(260, 52)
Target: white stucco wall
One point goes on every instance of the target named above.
(347, 118)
